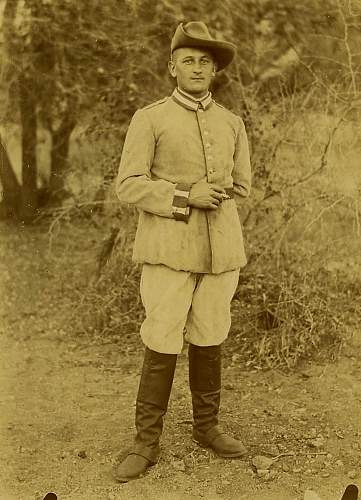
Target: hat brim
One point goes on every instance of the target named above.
(223, 52)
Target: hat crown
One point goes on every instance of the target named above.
(196, 34)
(197, 29)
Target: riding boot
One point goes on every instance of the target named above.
(205, 385)
(151, 405)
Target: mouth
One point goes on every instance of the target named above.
(197, 79)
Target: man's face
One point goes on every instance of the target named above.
(194, 70)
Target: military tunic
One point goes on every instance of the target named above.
(170, 145)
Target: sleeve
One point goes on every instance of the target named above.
(242, 166)
(134, 183)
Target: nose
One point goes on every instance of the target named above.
(197, 68)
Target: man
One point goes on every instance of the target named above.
(185, 166)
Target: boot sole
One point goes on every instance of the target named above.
(123, 479)
(223, 455)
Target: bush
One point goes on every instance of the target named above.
(302, 233)
(302, 221)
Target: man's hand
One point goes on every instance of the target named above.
(205, 195)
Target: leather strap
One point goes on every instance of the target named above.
(150, 454)
(213, 433)
(207, 438)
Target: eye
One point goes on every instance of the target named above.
(205, 61)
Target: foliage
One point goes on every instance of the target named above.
(281, 314)
(113, 54)
(296, 83)
(302, 232)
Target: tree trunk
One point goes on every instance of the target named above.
(59, 159)
(9, 14)
(11, 202)
(29, 165)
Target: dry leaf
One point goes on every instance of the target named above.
(261, 462)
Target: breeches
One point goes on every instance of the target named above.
(183, 305)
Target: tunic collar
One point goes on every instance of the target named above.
(189, 102)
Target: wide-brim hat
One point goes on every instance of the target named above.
(196, 34)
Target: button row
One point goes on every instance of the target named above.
(207, 145)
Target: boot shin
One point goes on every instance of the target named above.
(153, 396)
(205, 384)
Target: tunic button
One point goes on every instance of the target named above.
(210, 171)
(209, 157)
(208, 145)
(206, 132)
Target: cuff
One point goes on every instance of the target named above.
(180, 208)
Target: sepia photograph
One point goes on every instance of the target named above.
(180, 249)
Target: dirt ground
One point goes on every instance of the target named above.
(67, 404)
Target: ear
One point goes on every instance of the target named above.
(214, 69)
(171, 68)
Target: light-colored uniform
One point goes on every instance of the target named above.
(191, 256)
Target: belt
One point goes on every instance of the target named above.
(229, 194)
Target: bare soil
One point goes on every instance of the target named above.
(67, 401)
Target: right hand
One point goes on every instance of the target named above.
(205, 195)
